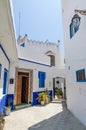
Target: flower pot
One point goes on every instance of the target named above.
(7, 111)
(42, 103)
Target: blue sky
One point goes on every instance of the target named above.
(40, 19)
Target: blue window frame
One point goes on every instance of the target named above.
(80, 75)
(23, 45)
(5, 80)
(41, 76)
(73, 30)
(0, 70)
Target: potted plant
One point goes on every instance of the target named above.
(60, 93)
(2, 121)
(47, 97)
(43, 97)
(7, 108)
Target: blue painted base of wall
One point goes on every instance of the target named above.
(35, 95)
(12, 103)
(4, 100)
(3, 103)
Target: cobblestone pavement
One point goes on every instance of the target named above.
(49, 117)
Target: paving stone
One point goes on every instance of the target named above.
(50, 117)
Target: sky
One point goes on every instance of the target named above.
(40, 19)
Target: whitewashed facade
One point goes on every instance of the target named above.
(35, 56)
(75, 58)
(26, 68)
(8, 51)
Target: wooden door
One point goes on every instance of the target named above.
(19, 89)
(25, 89)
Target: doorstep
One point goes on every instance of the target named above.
(17, 107)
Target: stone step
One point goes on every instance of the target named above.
(17, 107)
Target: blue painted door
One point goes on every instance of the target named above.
(5, 81)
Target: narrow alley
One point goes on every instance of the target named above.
(50, 117)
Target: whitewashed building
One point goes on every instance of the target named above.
(8, 52)
(26, 68)
(75, 57)
(39, 64)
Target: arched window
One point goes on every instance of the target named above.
(52, 60)
(52, 57)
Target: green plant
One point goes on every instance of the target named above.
(43, 96)
(9, 101)
(7, 108)
(40, 97)
(59, 92)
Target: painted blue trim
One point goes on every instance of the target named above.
(73, 30)
(23, 45)
(4, 100)
(12, 103)
(34, 62)
(35, 95)
(77, 72)
(0, 70)
(4, 53)
(41, 76)
(5, 80)
(3, 103)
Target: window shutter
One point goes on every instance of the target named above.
(0, 70)
(5, 81)
(41, 76)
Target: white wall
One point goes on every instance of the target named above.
(12, 75)
(51, 72)
(36, 68)
(75, 57)
(35, 51)
(5, 64)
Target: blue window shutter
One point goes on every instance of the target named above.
(71, 30)
(80, 75)
(41, 76)
(76, 29)
(5, 81)
(0, 70)
(23, 45)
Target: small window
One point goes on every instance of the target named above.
(80, 75)
(52, 57)
(41, 76)
(52, 60)
(0, 70)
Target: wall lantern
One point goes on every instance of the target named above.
(76, 18)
